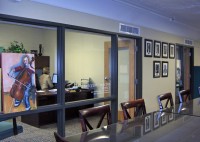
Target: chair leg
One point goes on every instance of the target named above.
(15, 126)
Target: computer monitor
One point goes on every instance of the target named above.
(54, 78)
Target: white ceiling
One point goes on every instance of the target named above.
(183, 11)
(182, 14)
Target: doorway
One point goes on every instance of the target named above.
(184, 68)
(126, 71)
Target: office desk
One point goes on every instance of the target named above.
(149, 128)
(191, 107)
(48, 98)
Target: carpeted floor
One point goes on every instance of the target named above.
(43, 134)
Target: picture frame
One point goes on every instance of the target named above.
(171, 116)
(163, 119)
(147, 123)
(164, 50)
(156, 69)
(156, 120)
(157, 49)
(171, 51)
(148, 47)
(165, 68)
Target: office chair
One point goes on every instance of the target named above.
(139, 104)
(59, 138)
(184, 95)
(165, 97)
(101, 111)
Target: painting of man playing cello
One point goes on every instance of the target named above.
(18, 76)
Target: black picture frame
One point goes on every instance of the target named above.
(165, 68)
(165, 50)
(157, 49)
(171, 51)
(171, 117)
(147, 124)
(156, 120)
(148, 47)
(156, 69)
(164, 119)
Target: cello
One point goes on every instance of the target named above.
(21, 82)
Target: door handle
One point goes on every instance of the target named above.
(107, 78)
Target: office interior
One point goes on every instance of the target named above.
(89, 52)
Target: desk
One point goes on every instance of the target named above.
(48, 98)
(191, 107)
(169, 128)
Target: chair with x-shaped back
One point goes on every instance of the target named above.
(139, 104)
(184, 95)
(165, 97)
(99, 111)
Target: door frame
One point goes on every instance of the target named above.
(191, 66)
(128, 44)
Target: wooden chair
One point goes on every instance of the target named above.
(101, 111)
(184, 95)
(165, 97)
(59, 138)
(139, 104)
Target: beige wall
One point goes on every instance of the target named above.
(151, 87)
(31, 37)
(84, 58)
(196, 55)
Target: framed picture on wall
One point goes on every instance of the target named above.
(148, 48)
(147, 124)
(165, 68)
(163, 119)
(164, 50)
(156, 120)
(157, 49)
(171, 116)
(171, 51)
(156, 69)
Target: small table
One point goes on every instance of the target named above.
(155, 126)
(191, 107)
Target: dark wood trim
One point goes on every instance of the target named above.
(61, 80)
(114, 77)
(138, 82)
(192, 72)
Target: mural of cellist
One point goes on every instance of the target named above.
(18, 82)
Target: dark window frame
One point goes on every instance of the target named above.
(61, 105)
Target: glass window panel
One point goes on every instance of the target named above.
(85, 61)
(126, 72)
(41, 43)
